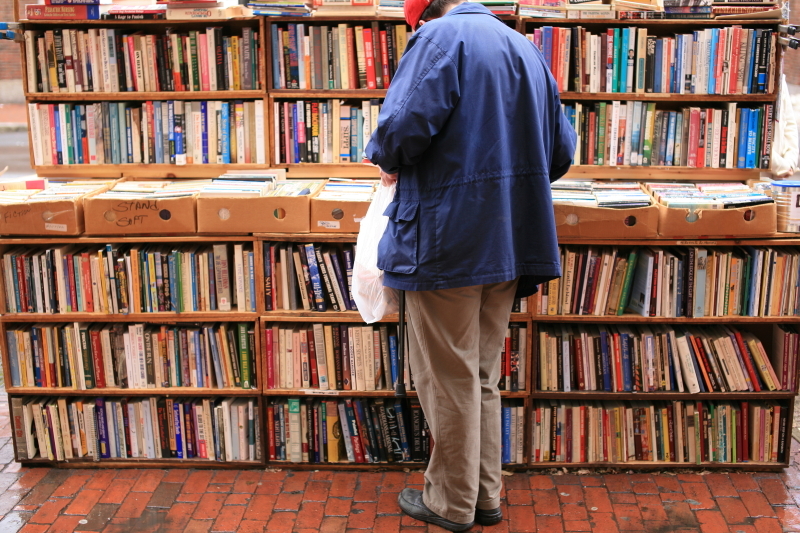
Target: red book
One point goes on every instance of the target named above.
(352, 61)
(702, 429)
(583, 434)
(86, 281)
(578, 363)
(355, 431)
(385, 59)
(271, 302)
(617, 353)
(23, 286)
(271, 432)
(507, 358)
(705, 367)
(568, 454)
(73, 294)
(671, 437)
(270, 358)
(312, 359)
(745, 432)
(369, 57)
(748, 360)
(590, 159)
(733, 69)
(97, 359)
(701, 138)
(606, 432)
(64, 12)
(723, 36)
(694, 135)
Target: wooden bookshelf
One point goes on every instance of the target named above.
(261, 317)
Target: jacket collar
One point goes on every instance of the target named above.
(471, 8)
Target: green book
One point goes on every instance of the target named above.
(648, 133)
(627, 282)
(601, 133)
(244, 355)
(70, 149)
(617, 59)
(195, 63)
(86, 356)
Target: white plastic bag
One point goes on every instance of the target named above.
(374, 301)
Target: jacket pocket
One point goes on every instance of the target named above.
(397, 250)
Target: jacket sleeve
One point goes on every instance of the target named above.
(564, 138)
(419, 101)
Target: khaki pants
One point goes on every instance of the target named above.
(455, 340)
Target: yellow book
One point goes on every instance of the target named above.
(552, 296)
(235, 54)
(334, 430)
(222, 336)
(402, 39)
(104, 296)
(344, 73)
(762, 367)
(665, 434)
(135, 281)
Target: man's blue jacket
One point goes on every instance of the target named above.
(473, 124)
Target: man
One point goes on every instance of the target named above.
(473, 133)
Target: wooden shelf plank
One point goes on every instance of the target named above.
(145, 463)
(661, 97)
(307, 237)
(123, 239)
(172, 391)
(658, 465)
(145, 95)
(142, 170)
(327, 93)
(778, 239)
(657, 396)
(662, 173)
(204, 22)
(535, 22)
(634, 319)
(363, 466)
(343, 316)
(149, 318)
(364, 394)
(324, 170)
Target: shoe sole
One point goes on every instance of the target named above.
(488, 520)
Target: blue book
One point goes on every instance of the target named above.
(712, 62)
(360, 132)
(753, 119)
(605, 361)
(393, 357)
(700, 282)
(316, 280)
(752, 279)
(744, 124)
(76, 134)
(159, 279)
(113, 123)
(194, 282)
(675, 81)
(348, 266)
(269, 290)
(68, 281)
(226, 140)
(762, 72)
(616, 62)
(204, 129)
(157, 134)
(402, 429)
(173, 294)
(13, 361)
(102, 428)
(547, 46)
(341, 279)
(276, 60)
(659, 58)
(180, 128)
(170, 131)
(751, 65)
(354, 134)
(199, 360)
(636, 132)
(506, 434)
(251, 260)
(212, 282)
(623, 71)
(123, 138)
(215, 355)
(673, 117)
(178, 432)
(37, 358)
(15, 279)
(295, 132)
(128, 135)
(627, 370)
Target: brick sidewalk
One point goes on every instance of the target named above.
(40, 500)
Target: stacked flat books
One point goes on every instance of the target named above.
(687, 9)
(279, 8)
(296, 188)
(391, 8)
(344, 7)
(143, 190)
(499, 7)
(707, 196)
(592, 9)
(618, 195)
(348, 189)
(542, 8)
(214, 429)
(134, 10)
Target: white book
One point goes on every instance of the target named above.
(285, 258)
(36, 137)
(320, 349)
(45, 135)
(614, 136)
(367, 358)
(238, 262)
(67, 41)
(146, 422)
(66, 148)
(358, 352)
(260, 147)
(276, 126)
(31, 69)
(226, 429)
(687, 365)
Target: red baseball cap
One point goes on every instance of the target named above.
(413, 10)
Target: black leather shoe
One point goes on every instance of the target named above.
(488, 517)
(410, 501)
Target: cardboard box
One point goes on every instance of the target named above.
(606, 222)
(52, 217)
(114, 216)
(337, 216)
(759, 220)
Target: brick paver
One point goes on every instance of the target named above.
(44, 500)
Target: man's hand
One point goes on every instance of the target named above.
(388, 179)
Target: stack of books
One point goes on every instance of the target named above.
(135, 10)
(344, 8)
(677, 282)
(706, 195)
(81, 356)
(680, 431)
(391, 8)
(130, 279)
(542, 8)
(279, 8)
(336, 57)
(214, 429)
(590, 9)
(628, 60)
(112, 60)
(499, 7)
(618, 195)
(347, 189)
(323, 131)
(659, 358)
(687, 9)
(152, 132)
